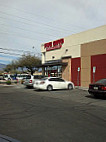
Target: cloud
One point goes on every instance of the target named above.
(30, 23)
(5, 59)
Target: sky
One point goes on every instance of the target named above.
(26, 24)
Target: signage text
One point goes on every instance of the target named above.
(54, 45)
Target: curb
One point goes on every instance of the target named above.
(82, 88)
(7, 139)
(4, 85)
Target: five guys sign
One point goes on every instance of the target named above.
(54, 45)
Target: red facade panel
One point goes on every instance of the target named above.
(75, 74)
(98, 67)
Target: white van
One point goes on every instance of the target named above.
(21, 76)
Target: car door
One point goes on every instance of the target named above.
(54, 83)
(61, 83)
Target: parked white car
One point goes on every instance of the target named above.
(7, 77)
(50, 83)
(30, 79)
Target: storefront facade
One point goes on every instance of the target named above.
(80, 58)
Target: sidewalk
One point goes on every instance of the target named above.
(82, 88)
(5, 85)
(7, 139)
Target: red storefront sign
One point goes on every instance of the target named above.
(54, 45)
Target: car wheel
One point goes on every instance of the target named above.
(49, 88)
(70, 87)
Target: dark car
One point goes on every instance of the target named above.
(98, 88)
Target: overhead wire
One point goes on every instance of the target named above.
(11, 34)
(34, 25)
(30, 24)
(33, 14)
(27, 30)
(20, 29)
(26, 23)
(10, 53)
(16, 54)
(47, 25)
(30, 20)
(25, 37)
(30, 13)
(24, 11)
(18, 50)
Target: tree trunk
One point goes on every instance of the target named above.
(31, 72)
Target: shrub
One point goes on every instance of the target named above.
(8, 82)
(15, 82)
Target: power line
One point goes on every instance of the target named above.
(30, 20)
(24, 11)
(18, 50)
(17, 54)
(11, 34)
(33, 14)
(27, 30)
(57, 30)
(20, 36)
(10, 53)
(26, 23)
(30, 24)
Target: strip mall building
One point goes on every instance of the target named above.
(80, 58)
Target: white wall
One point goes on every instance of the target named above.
(73, 42)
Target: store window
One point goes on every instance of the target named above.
(54, 71)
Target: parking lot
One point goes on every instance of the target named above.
(48, 116)
(77, 95)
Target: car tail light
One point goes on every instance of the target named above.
(30, 81)
(42, 82)
(103, 88)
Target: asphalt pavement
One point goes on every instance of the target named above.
(28, 115)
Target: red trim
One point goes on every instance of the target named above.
(75, 75)
(98, 61)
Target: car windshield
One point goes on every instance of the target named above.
(102, 81)
(44, 78)
(38, 76)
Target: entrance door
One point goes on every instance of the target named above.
(75, 71)
(98, 67)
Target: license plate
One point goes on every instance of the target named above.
(95, 88)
